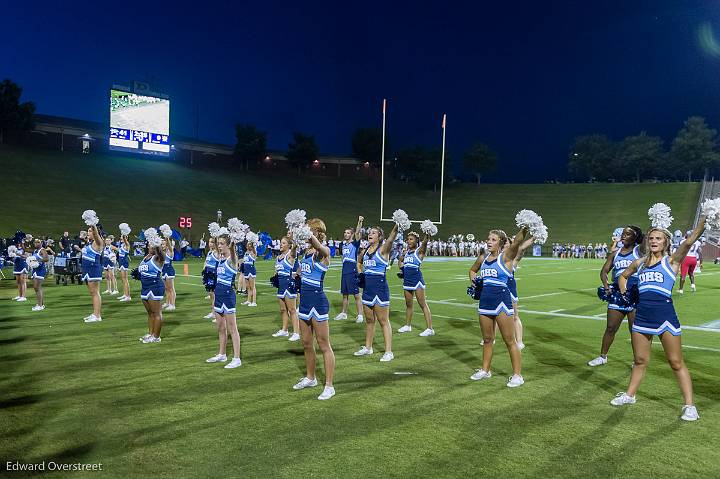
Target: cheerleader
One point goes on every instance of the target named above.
(123, 261)
(656, 316)
(630, 238)
(286, 299)
(690, 263)
(209, 273)
(153, 288)
(348, 278)
(224, 305)
(168, 273)
(314, 309)
(413, 282)
(376, 294)
(108, 261)
(92, 270)
(20, 270)
(38, 274)
(495, 270)
(250, 272)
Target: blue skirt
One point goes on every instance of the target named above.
(123, 264)
(349, 283)
(495, 300)
(376, 291)
(656, 315)
(512, 286)
(20, 266)
(225, 299)
(249, 270)
(284, 287)
(313, 304)
(152, 289)
(168, 271)
(40, 272)
(413, 279)
(92, 271)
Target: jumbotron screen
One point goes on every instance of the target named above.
(139, 123)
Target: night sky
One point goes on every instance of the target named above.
(523, 77)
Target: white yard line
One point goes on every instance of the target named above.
(554, 294)
(557, 310)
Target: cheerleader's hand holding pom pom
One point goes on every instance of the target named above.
(166, 230)
(659, 215)
(213, 228)
(401, 220)
(252, 237)
(295, 218)
(533, 222)
(428, 228)
(124, 229)
(301, 236)
(152, 237)
(90, 217)
(710, 208)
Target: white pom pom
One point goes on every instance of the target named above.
(659, 215)
(152, 237)
(301, 235)
(112, 257)
(166, 230)
(295, 218)
(235, 224)
(251, 237)
(401, 219)
(12, 251)
(540, 234)
(32, 261)
(428, 228)
(470, 237)
(223, 231)
(237, 236)
(213, 228)
(90, 217)
(534, 223)
(711, 209)
(124, 229)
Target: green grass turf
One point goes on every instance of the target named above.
(48, 191)
(75, 392)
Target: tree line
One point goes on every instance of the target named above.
(642, 157)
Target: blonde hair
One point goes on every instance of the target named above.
(318, 228)
(666, 249)
(502, 235)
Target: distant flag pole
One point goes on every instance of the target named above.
(382, 160)
(442, 166)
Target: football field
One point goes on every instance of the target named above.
(92, 393)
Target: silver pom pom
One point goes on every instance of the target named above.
(213, 228)
(124, 229)
(12, 251)
(32, 261)
(251, 237)
(166, 230)
(711, 209)
(295, 218)
(659, 215)
(152, 237)
(401, 219)
(90, 217)
(429, 228)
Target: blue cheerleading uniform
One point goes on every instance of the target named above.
(41, 271)
(512, 286)
(284, 271)
(123, 258)
(655, 311)
(19, 264)
(495, 296)
(376, 291)
(106, 262)
(620, 263)
(249, 266)
(412, 276)
(152, 286)
(225, 298)
(348, 279)
(168, 271)
(91, 264)
(313, 302)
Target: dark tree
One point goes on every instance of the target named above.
(693, 149)
(251, 144)
(423, 165)
(14, 116)
(367, 145)
(592, 158)
(640, 156)
(302, 151)
(480, 159)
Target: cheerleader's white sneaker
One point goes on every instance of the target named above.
(125, 299)
(680, 291)
(363, 351)
(252, 305)
(294, 337)
(405, 329)
(327, 393)
(218, 358)
(341, 316)
(151, 339)
(692, 288)
(145, 336)
(480, 374)
(107, 291)
(521, 346)
(598, 361)
(427, 332)
(235, 363)
(305, 383)
(170, 307)
(280, 334)
(38, 307)
(388, 356)
(689, 413)
(515, 381)
(16, 298)
(359, 318)
(621, 399)
(21, 299)
(113, 293)
(93, 319)
(209, 316)
(120, 298)
(245, 303)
